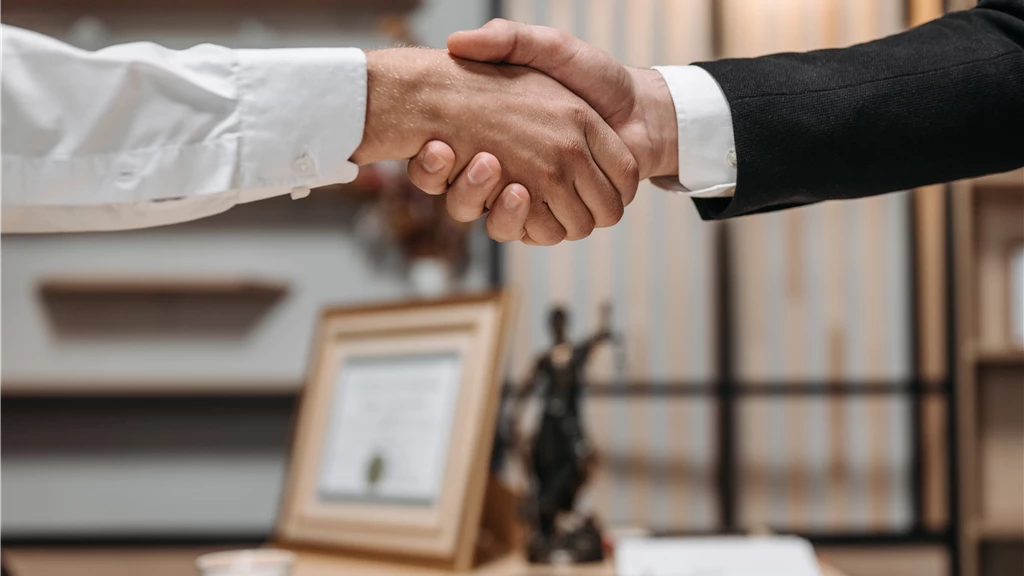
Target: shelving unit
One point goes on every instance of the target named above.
(92, 5)
(988, 219)
(69, 286)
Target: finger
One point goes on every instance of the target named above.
(507, 219)
(599, 195)
(571, 212)
(470, 196)
(542, 227)
(617, 165)
(590, 72)
(431, 169)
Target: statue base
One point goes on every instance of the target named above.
(578, 546)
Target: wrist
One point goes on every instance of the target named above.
(396, 120)
(654, 139)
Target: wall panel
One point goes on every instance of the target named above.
(821, 295)
(655, 267)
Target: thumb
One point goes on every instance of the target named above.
(583, 68)
(492, 42)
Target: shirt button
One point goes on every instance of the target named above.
(304, 164)
(730, 157)
(126, 172)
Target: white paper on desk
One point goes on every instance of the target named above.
(727, 556)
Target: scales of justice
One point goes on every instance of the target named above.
(558, 458)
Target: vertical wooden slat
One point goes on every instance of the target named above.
(834, 301)
(962, 216)
(744, 35)
(796, 312)
(679, 264)
(836, 366)
(689, 492)
(932, 324)
(929, 208)
(639, 29)
(878, 427)
(868, 26)
(560, 15)
(517, 268)
(599, 32)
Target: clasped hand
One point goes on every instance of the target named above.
(548, 152)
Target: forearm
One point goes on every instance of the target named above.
(940, 102)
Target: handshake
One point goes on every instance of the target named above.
(547, 135)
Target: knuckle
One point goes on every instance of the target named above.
(553, 174)
(580, 113)
(615, 213)
(547, 232)
(558, 236)
(631, 171)
(563, 38)
(611, 207)
(575, 148)
(582, 229)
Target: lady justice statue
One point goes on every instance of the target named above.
(559, 459)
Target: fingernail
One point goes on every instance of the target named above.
(432, 162)
(512, 200)
(480, 173)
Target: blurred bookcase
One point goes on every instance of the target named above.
(988, 224)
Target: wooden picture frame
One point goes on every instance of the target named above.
(441, 528)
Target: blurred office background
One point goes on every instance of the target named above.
(843, 371)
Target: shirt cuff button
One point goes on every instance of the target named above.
(730, 157)
(304, 164)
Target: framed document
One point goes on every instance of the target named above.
(395, 428)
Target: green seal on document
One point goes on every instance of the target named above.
(375, 470)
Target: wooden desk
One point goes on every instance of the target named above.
(320, 565)
(181, 562)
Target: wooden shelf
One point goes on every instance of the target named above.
(145, 386)
(154, 309)
(159, 286)
(998, 528)
(1006, 357)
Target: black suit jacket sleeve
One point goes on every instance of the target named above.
(937, 103)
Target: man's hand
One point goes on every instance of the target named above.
(549, 140)
(636, 103)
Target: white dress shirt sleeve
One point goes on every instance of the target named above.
(707, 149)
(139, 135)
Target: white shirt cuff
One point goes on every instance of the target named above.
(210, 128)
(302, 112)
(707, 149)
